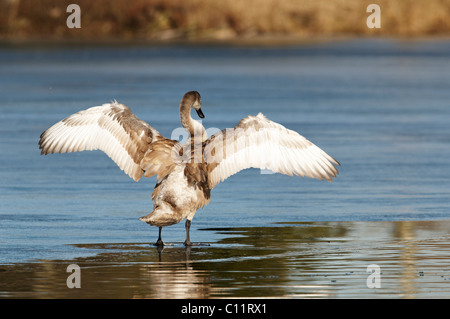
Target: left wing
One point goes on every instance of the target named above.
(261, 143)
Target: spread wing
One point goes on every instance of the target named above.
(260, 143)
(112, 128)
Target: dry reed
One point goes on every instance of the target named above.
(220, 19)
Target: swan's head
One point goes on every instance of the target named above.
(196, 101)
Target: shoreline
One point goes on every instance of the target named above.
(261, 41)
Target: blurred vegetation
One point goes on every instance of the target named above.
(220, 19)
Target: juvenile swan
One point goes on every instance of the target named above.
(187, 173)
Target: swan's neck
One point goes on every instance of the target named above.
(195, 128)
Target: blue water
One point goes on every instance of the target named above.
(380, 107)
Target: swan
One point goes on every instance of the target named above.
(186, 173)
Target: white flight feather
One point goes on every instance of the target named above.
(81, 131)
(260, 143)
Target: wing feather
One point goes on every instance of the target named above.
(112, 128)
(260, 143)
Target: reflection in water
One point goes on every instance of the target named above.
(408, 257)
(176, 278)
(290, 260)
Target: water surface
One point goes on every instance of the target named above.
(379, 107)
(291, 260)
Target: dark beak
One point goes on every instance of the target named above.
(200, 113)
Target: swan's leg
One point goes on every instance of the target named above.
(187, 242)
(159, 242)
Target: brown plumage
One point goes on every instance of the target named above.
(187, 173)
